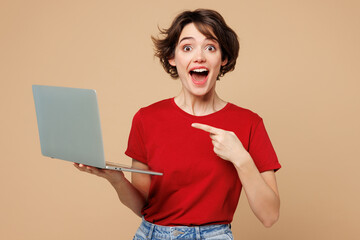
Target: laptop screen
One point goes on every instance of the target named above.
(69, 124)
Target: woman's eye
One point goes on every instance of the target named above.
(211, 48)
(187, 48)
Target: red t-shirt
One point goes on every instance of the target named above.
(198, 187)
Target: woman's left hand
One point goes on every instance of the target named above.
(260, 188)
(226, 144)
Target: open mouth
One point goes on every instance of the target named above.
(199, 75)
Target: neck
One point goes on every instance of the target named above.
(199, 105)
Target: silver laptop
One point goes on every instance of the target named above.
(69, 127)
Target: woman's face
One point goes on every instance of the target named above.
(197, 60)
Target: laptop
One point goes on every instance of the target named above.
(69, 127)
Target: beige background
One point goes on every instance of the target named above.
(298, 68)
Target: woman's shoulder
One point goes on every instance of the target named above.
(243, 112)
(156, 107)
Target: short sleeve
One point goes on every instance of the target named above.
(136, 145)
(261, 149)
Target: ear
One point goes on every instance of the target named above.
(223, 63)
(172, 62)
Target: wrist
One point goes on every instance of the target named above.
(243, 161)
(117, 181)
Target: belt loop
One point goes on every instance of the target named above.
(149, 236)
(197, 232)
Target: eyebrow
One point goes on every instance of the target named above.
(186, 38)
(191, 38)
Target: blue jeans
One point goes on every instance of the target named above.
(149, 231)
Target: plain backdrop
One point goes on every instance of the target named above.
(298, 68)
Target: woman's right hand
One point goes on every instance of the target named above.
(129, 195)
(113, 176)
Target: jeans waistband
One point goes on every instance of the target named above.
(198, 232)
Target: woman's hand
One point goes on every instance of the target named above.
(113, 176)
(128, 194)
(260, 188)
(226, 144)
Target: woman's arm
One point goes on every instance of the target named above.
(133, 195)
(260, 188)
(261, 191)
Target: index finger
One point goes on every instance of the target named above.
(206, 128)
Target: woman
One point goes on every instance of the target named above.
(207, 148)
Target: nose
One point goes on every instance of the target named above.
(199, 56)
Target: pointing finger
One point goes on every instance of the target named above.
(206, 128)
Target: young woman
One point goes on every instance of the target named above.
(207, 148)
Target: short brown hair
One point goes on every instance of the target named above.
(209, 23)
